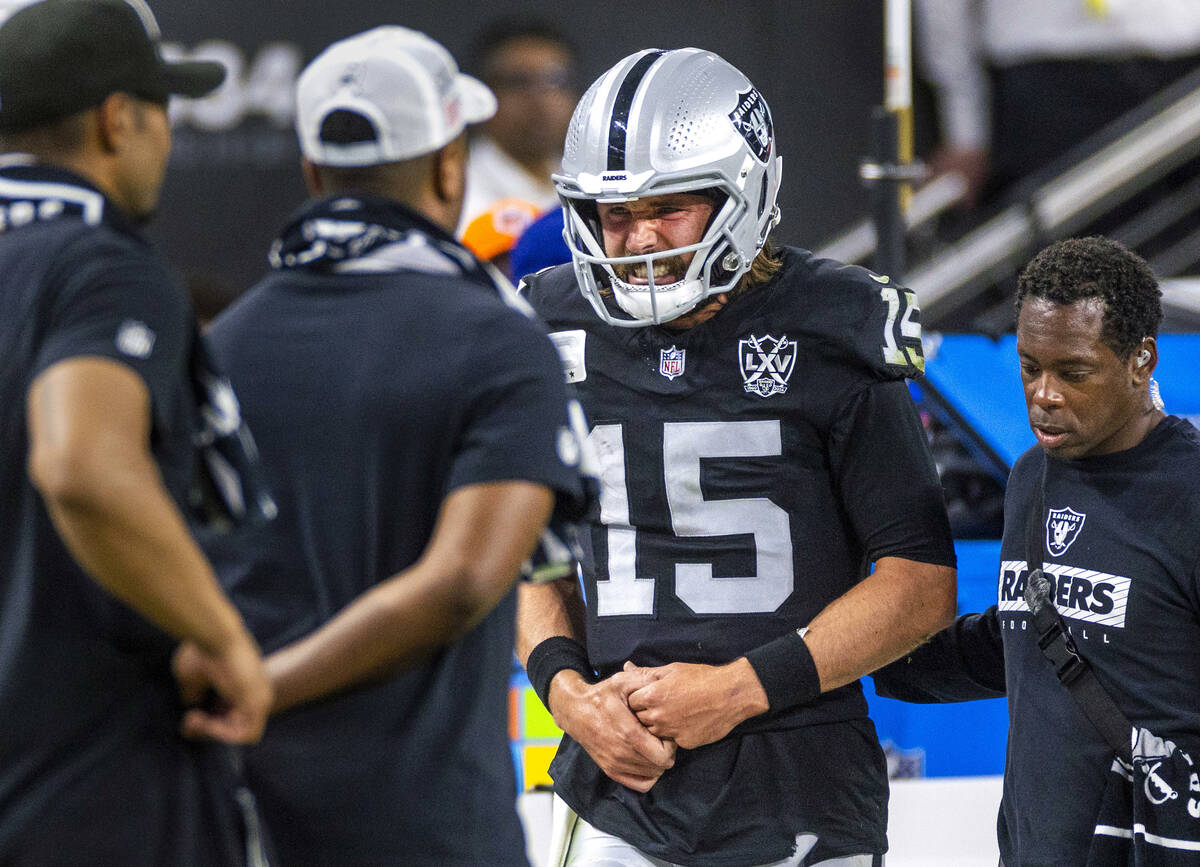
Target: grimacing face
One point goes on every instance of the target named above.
(651, 225)
(1081, 398)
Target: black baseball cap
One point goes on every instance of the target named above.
(60, 57)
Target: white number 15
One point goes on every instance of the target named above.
(684, 445)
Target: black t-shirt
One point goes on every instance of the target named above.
(752, 468)
(92, 769)
(372, 397)
(1123, 551)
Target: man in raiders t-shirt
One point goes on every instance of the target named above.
(1122, 507)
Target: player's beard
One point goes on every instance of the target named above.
(674, 266)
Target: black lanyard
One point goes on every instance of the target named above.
(1055, 642)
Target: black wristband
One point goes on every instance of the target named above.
(552, 656)
(786, 671)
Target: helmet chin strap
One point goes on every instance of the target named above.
(671, 300)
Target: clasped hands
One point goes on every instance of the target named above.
(632, 722)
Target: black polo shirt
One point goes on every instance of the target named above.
(374, 391)
(92, 769)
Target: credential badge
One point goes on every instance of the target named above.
(766, 363)
(1062, 528)
(671, 362)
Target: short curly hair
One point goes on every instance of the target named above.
(1097, 267)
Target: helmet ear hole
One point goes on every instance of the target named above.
(762, 196)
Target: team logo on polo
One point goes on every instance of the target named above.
(1062, 528)
(752, 119)
(671, 362)
(766, 363)
(135, 338)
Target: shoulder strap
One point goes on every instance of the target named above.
(1055, 642)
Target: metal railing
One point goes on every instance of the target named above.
(1120, 162)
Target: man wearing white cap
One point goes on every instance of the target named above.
(416, 427)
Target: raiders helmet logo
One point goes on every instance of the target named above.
(752, 119)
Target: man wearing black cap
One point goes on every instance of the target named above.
(113, 425)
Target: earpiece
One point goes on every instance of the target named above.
(1143, 357)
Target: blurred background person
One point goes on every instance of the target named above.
(530, 66)
(1018, 83)
(492, 235)
(540, 246)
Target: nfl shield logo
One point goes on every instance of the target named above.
(671, 362)
(766, 364)
(1062, 528)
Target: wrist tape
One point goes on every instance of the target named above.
(552, 656)
(786, 671)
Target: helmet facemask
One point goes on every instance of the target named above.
(714, 267)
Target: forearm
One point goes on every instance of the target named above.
(961, 663)
(123, 528)
(550, 639)
(885, 615)
(393, 626)
(891, 611)
(483, 534)
(546, 610)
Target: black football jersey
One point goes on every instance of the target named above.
(735, 504)
(752, 468)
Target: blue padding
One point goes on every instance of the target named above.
(981, 380)
(1178, 374)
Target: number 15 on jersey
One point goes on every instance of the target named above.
(684, 445)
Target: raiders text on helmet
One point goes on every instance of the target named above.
(661, 122)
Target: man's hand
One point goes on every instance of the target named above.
(598, 718)
(695, 704)
(238, 680)
(970, 164)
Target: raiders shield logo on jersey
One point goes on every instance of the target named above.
(752, 119)
(766, 363)
(671, 362)
(1062, 528)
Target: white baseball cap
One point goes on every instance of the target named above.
(404, 85)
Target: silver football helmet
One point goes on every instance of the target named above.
(664, 122)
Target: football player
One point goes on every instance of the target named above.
(771, 524)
